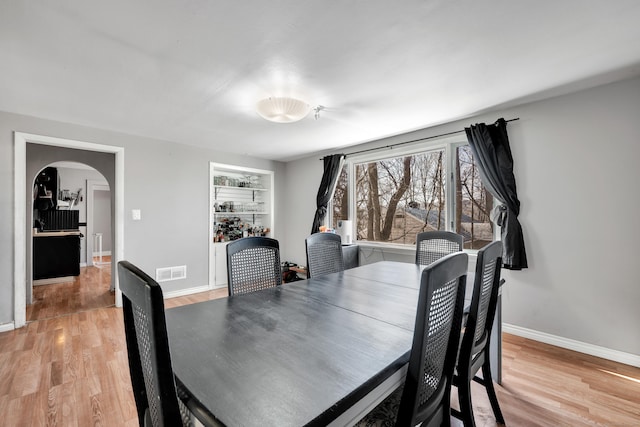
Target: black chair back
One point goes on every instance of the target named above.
(433, 245)
(426, 395)
(474, 347)
(150, 366)
(324, 254)
(485, 295)
(253, 263)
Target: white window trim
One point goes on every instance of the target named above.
(448, 143)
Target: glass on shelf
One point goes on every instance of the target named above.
(254, 207)
(240, 207)
(229, 181)
(245, 182)
(221, 180)
(254, 181)
(224, 207)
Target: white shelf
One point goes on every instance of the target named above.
(250, 189)
(240, 213)
(220, 187)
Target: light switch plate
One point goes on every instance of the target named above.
(136, 215)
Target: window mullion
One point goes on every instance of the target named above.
(351, 174)
(449, 188)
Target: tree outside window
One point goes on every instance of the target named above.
(340, 201)
(473, 202)
(399, 197)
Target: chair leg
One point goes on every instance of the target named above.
(491, 392)
(464, 399)
(446, 408)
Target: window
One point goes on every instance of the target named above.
(473, 201)
(340, 201)
(395, 198)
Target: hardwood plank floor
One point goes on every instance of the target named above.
(544, 385)
(87, 291)
(68, 367)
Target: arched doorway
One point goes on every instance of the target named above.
(65, 278)
(23, 219)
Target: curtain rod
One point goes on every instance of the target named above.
(413, 140)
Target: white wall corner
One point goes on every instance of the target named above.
(579, 346)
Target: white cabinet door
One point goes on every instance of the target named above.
(220, 250)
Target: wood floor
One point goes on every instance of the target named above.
(88, 291)
(68, 367)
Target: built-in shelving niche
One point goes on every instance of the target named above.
(240, 205)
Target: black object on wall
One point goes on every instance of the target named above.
(45, 191)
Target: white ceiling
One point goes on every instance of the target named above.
(191, 71)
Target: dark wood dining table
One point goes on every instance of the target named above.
(322, 351)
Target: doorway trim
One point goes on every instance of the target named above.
(20, 215)
(92, 185)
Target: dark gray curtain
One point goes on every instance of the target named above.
(331, 171)
(492, 153)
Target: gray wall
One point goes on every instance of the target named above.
(73, 179)
(167, 181)
(102, 223)
(576, 168)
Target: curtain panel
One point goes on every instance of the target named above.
(327, 186)
(492, 153)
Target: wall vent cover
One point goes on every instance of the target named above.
(171, 273)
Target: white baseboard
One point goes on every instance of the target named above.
(54, 280)
(104, 253)
(5, 327)
(183, 292)
(579, 346)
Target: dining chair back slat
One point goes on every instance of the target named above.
(324, 254)
(424, 399)
(253, 263)
(475, 343)
(152, 378)
(427, 387)
(433, 245)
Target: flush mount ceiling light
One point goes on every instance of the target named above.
(282, 109)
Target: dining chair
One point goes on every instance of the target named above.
(474, 346)
(154, 385)
(253, 263)
(424, 399)
(324, 254)
(433, 245)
